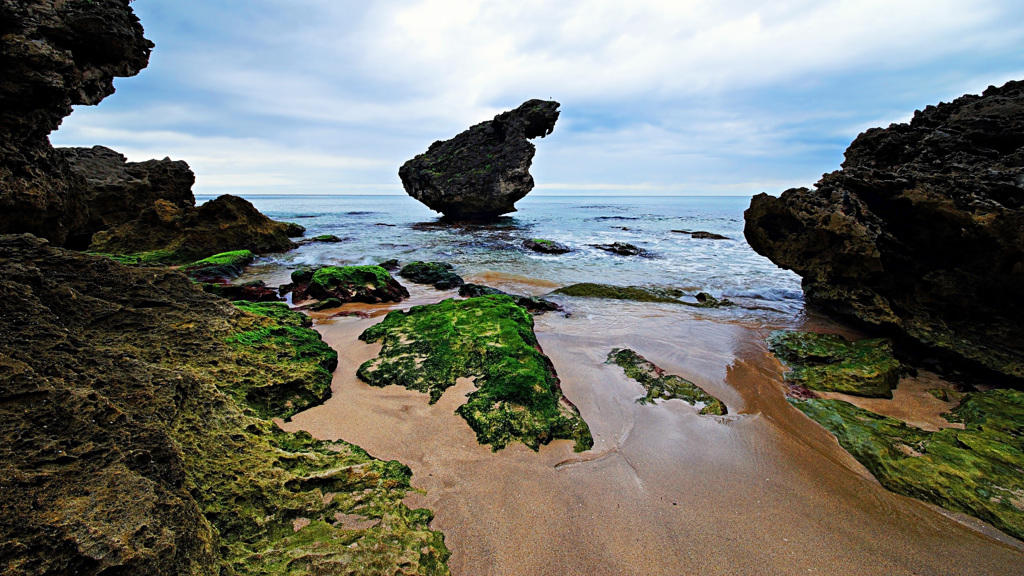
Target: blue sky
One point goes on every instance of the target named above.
(672, 97)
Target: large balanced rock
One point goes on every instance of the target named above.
(170, 234)
(116, 190)
(482, 172)
(921, 234)
(55, 54)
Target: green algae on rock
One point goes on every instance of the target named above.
(830, 363)
(223, 265)
(488, 338)
(371, 284)
(664, 386)
(978, 470)
(634, 293)
(439, 274)
(127, 434)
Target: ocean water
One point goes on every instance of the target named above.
(378, 228)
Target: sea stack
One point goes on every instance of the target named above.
(921, 234)
(481, 173)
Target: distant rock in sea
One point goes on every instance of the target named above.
(484, 171)
(921, 234)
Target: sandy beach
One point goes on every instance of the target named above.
(763, 490)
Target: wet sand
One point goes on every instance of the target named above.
(664, 491)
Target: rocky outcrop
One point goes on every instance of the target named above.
(921, 234)
(117, 191)
(484, 171)
(830, 363)
(166, 233)
(518, 396)
(55, 54)
(370, 284)
(136, 434)
(546, 246)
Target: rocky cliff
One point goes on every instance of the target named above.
(55, 54)
(920, 234)
(482, 172)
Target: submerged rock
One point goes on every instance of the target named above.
(660, 385)
(532, 303)
(623, 249)
(490, 339)
(135, 434)
(484, 171)
(702, 235)
(166, 233)
(831, 363)
(370, 284)
(634, 293)
(439, 274)
(293, 230)
(545, 246)
(920, 234)
(976, 471)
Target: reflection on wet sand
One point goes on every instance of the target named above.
(664, 490)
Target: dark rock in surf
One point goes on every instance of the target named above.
(533, 304)
(482, 172)
(438, 274)
(623, 249)
(545, 246)
(921, 234)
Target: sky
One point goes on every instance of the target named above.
(679, 97)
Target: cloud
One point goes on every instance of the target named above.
(325, 96)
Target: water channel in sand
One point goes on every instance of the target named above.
(664, 491)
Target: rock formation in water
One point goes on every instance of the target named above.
(920, 234)
(55, 54)
(484, 171)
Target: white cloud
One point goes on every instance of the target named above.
(326, 96)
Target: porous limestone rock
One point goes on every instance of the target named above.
(484, 171)
(920, 235)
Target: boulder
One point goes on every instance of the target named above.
(117, 191)
(371, 284)
(169, 234)
(533, 304)
(920, 235)
(622, 249)
(439, 274)
(484, 171)
(545, 246)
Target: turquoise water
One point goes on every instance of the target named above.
(377, 228)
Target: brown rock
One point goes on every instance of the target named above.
(921, 234)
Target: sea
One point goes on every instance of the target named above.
(378, 228)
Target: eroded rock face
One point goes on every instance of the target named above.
(135, 434)
(170, 234)
(921, 234)
(55, 54)
(484, 171)
(116, 190)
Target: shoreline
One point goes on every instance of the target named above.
(764, 490)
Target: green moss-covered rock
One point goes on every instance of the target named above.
(370, 284)
(128, 444)
(830, 363)
(546, 246)
(664, 386)
(489, 338)
(634, 293)
(288, 366)
(223, 265)
(978, 470)
(439, 274)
